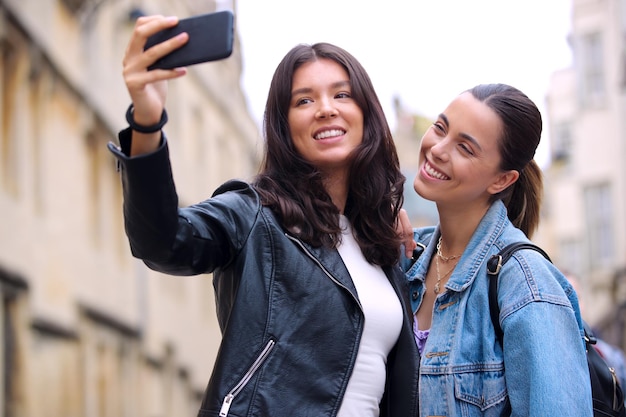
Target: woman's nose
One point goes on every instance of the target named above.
(440, 149)
(326, 110)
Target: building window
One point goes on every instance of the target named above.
(74, 6)
(591, 65)
(562, 142)
(599, 225)
(622, 69)
(570, 257)
(12, 73)
(13, 299)
(95, 168)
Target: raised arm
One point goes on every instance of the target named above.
(148, 89)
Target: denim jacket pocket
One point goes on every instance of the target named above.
(481, 392)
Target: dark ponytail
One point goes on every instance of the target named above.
(521, 133)
(523, 199)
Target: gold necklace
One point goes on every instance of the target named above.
(437, 288)
(440, 255)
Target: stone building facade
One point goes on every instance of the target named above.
(585, 198)
(88, 331)
(407, 135)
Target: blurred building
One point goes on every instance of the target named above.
(88, 331)
(407, 135)
(585, 197)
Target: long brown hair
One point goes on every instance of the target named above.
(293, 187)
(522, 124)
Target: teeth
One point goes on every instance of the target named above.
(431, 171)
(329, 133)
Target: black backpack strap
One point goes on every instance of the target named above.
(497, 261)
(417, 252)
(494, 264)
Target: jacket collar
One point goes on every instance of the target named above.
(479, 247)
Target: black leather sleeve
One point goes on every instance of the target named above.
(180, 241)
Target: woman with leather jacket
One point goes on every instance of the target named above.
(310, 299)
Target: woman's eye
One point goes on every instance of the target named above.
(438, 127)
(302, 101)
(466, 149)
(343, 95)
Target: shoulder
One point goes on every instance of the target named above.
(238, 195)
(529, 272)
(234, 208)
(526, 257)
(237, 186)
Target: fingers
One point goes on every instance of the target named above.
(137, 60)
(405, 230)
(146, 26)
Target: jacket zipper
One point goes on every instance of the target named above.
(616, 404)
(332, 278)
(228, 400)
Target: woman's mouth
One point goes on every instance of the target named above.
(329, 134)
(430, 170)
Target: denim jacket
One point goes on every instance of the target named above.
(464, 371)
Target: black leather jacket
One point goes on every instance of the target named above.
(289, 314)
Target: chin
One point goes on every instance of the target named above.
(423, 189)
(418, 186)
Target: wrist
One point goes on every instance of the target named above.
(143, 128)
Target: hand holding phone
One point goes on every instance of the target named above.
(210, 39)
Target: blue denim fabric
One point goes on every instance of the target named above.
(464, 371)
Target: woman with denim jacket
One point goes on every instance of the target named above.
(310, 299)
(476, 164)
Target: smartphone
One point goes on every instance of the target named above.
(211, 38)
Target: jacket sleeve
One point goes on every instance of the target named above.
(179, 241)
(544, 353)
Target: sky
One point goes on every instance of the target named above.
(424, 52)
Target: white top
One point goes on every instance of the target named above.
(383, 322)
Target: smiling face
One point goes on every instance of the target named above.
(460, 158)
(325, 122)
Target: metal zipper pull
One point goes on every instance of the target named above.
(615, 384)
(228, 400)
(230, 397)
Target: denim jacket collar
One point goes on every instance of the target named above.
(491, 227)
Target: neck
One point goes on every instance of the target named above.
(457, 225)
(337, 189)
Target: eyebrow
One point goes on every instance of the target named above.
(307, 90)
(463, 135)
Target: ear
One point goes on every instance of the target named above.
(503, 181)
